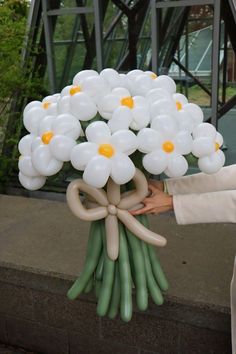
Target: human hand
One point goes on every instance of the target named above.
(158, 202)
(155, 183)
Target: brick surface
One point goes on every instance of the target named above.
(196, 340)
(5, 349)
(57, 311)
(16, 301)
(3, 337)
(192, 314)
(89, 345)
(33, 336)
(146, 332)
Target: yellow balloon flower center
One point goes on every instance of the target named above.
(127, 101)
(153, 76)
(168, 146)
(178, 105)
(46, 137)
(46, 105)
(74, 90)
(106, 150)
(217, 146)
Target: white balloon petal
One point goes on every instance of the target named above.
(123, 169)
(36, 143)
(184, 121)
(26, 167)
(141, 118)
(124, 141)
(32, 117)
(121, 119)
(133, 74)
(107, 105)
(61, 146)
(32, 183)
(212, 163)
(195, 112)
(157, 94)
(82, 153)
(68, 125)
(143, 83)
(183, 142)
(203, 146)
(177, 165)
(97, 171)
(94, 85)
(155, 162)
(25, 143)
(44, 162)
(98, 132)
(64, 105)
(32, 104)
(121, 92)
(45, 125)
(165, 124)
(204, 129)
(66, 91)
(109, 75)
(162, 106)
(219, 139)
(179, 97)
(82, 106)
(82, 75)
(149, 140)
(52, 98)
(165, 82)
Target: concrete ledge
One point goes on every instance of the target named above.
(42, 247)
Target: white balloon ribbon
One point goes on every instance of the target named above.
(113, 206)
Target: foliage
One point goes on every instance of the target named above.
(16, 80)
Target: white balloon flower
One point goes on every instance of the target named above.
(145, 81)
(186, 110)
(35, 111)
(114, 79)
(188, 115)
(124, 111)
(29, 177)
(206, 146)
(55, 139)
(104, 155)
(80, 98)
(164, 147)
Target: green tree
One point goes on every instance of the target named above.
(15, 78)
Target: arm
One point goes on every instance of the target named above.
(206, 207)
(201, 182)
(192, 208)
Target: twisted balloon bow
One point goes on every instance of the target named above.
(112, 205)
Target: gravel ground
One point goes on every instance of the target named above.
(5, 349)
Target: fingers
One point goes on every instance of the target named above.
(145, 210)
(157, 184)
(152, 188)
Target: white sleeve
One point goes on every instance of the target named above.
(201, 182)
(205, 207)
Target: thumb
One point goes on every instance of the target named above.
(152, 188)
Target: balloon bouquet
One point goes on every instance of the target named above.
(118, 129)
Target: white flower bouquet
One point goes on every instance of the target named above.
(116, 130)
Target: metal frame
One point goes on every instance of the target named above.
(48, 15)
(98, 34)
(155, 6)
(48, 32)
